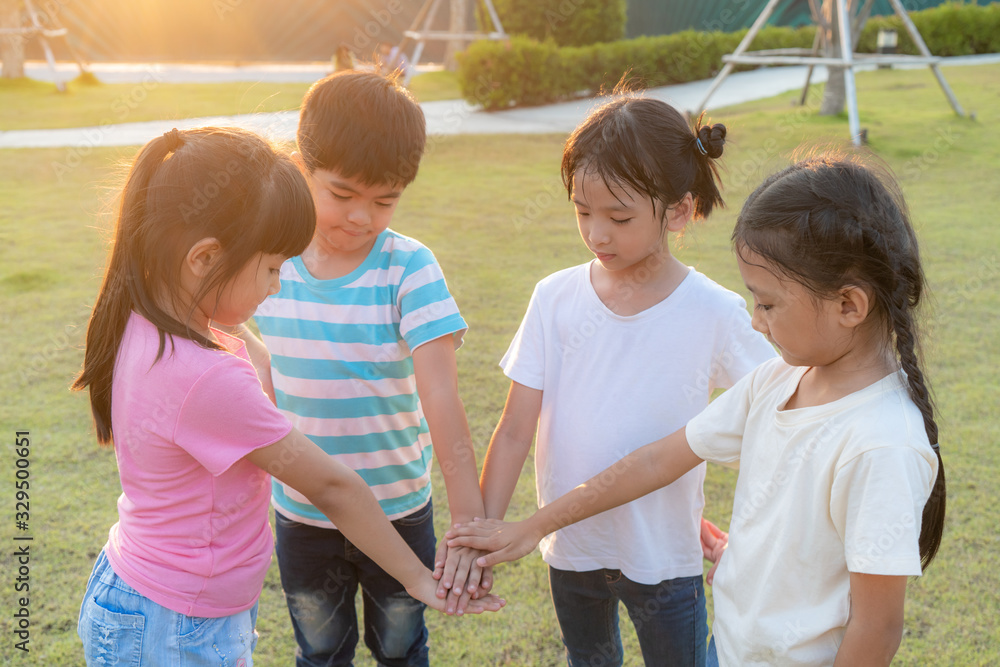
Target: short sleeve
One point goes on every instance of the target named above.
(744, 349)
(524, 361)
(876, 504)
(716, 433)
(427, 309)
(226, 415)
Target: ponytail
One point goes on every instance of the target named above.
(222, 183)
(121, 291)
(709, 142)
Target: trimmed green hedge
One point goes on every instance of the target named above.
(566, 22)
(951, 29)
(524, 71)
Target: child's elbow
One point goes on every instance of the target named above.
(883, 639)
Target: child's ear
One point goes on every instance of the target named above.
(679, 215)
(855, 305)
(299, 162)
(202, 256)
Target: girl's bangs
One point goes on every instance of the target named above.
(286, 213)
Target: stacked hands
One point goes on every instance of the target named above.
(464, 584)
(502, 541)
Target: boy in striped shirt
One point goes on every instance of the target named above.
(362, 340)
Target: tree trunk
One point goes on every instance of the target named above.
(456, 23)
(834, 93)
(11, 46)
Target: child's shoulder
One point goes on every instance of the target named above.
(393, 241)
(710, 293)
(564, 277)
(183, 363)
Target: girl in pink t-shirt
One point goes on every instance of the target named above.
(207, 217)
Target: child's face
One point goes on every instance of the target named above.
(619, 225)
(804, 327)
(349, 214)
(239, 299)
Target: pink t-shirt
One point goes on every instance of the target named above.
(192, 532)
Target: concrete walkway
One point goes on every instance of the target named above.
(445, 117)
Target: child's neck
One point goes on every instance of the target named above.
(850, 373)
(639, 287)
(325, 263)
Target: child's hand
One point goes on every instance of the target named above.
(504, 541)
(426, 592)
(485, 581)
(714, 541)
(458, 574)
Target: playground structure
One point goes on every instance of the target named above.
(835, 36)
(35, 28)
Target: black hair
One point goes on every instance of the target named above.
(362, 125)
(648, 146)
(831, 221)
(222, 183)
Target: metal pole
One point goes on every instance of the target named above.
(754, 29)
(60, 84)
(417, 20)
(848, 54)
(493, 16)
(919, 41)
(809, 72)
(418, 50)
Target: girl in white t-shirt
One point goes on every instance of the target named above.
(207, 217)
(614, 353)
(841, 490)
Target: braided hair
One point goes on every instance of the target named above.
(826, 222)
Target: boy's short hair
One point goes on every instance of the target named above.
(362, 125)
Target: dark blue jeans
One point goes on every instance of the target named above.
(320, 573)
(669, 618)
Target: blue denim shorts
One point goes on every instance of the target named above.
(119, 626)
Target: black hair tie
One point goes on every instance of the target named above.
(709, 140)
(173, 139)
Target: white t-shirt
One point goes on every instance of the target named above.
(823, 491)
(612, 384)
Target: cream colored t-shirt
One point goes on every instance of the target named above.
(822, 491)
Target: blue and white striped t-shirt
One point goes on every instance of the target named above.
(342, 370)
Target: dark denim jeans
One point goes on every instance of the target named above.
(713, 654)
(669, 618)
(320, 573)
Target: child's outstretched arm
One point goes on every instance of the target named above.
(509, 448)
(643, 471)
(436, 373)
(343, 496)
(875, 627)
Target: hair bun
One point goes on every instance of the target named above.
(711, 140)
(173, 140)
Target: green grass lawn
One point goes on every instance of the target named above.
(498, 225)
(26, 104)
